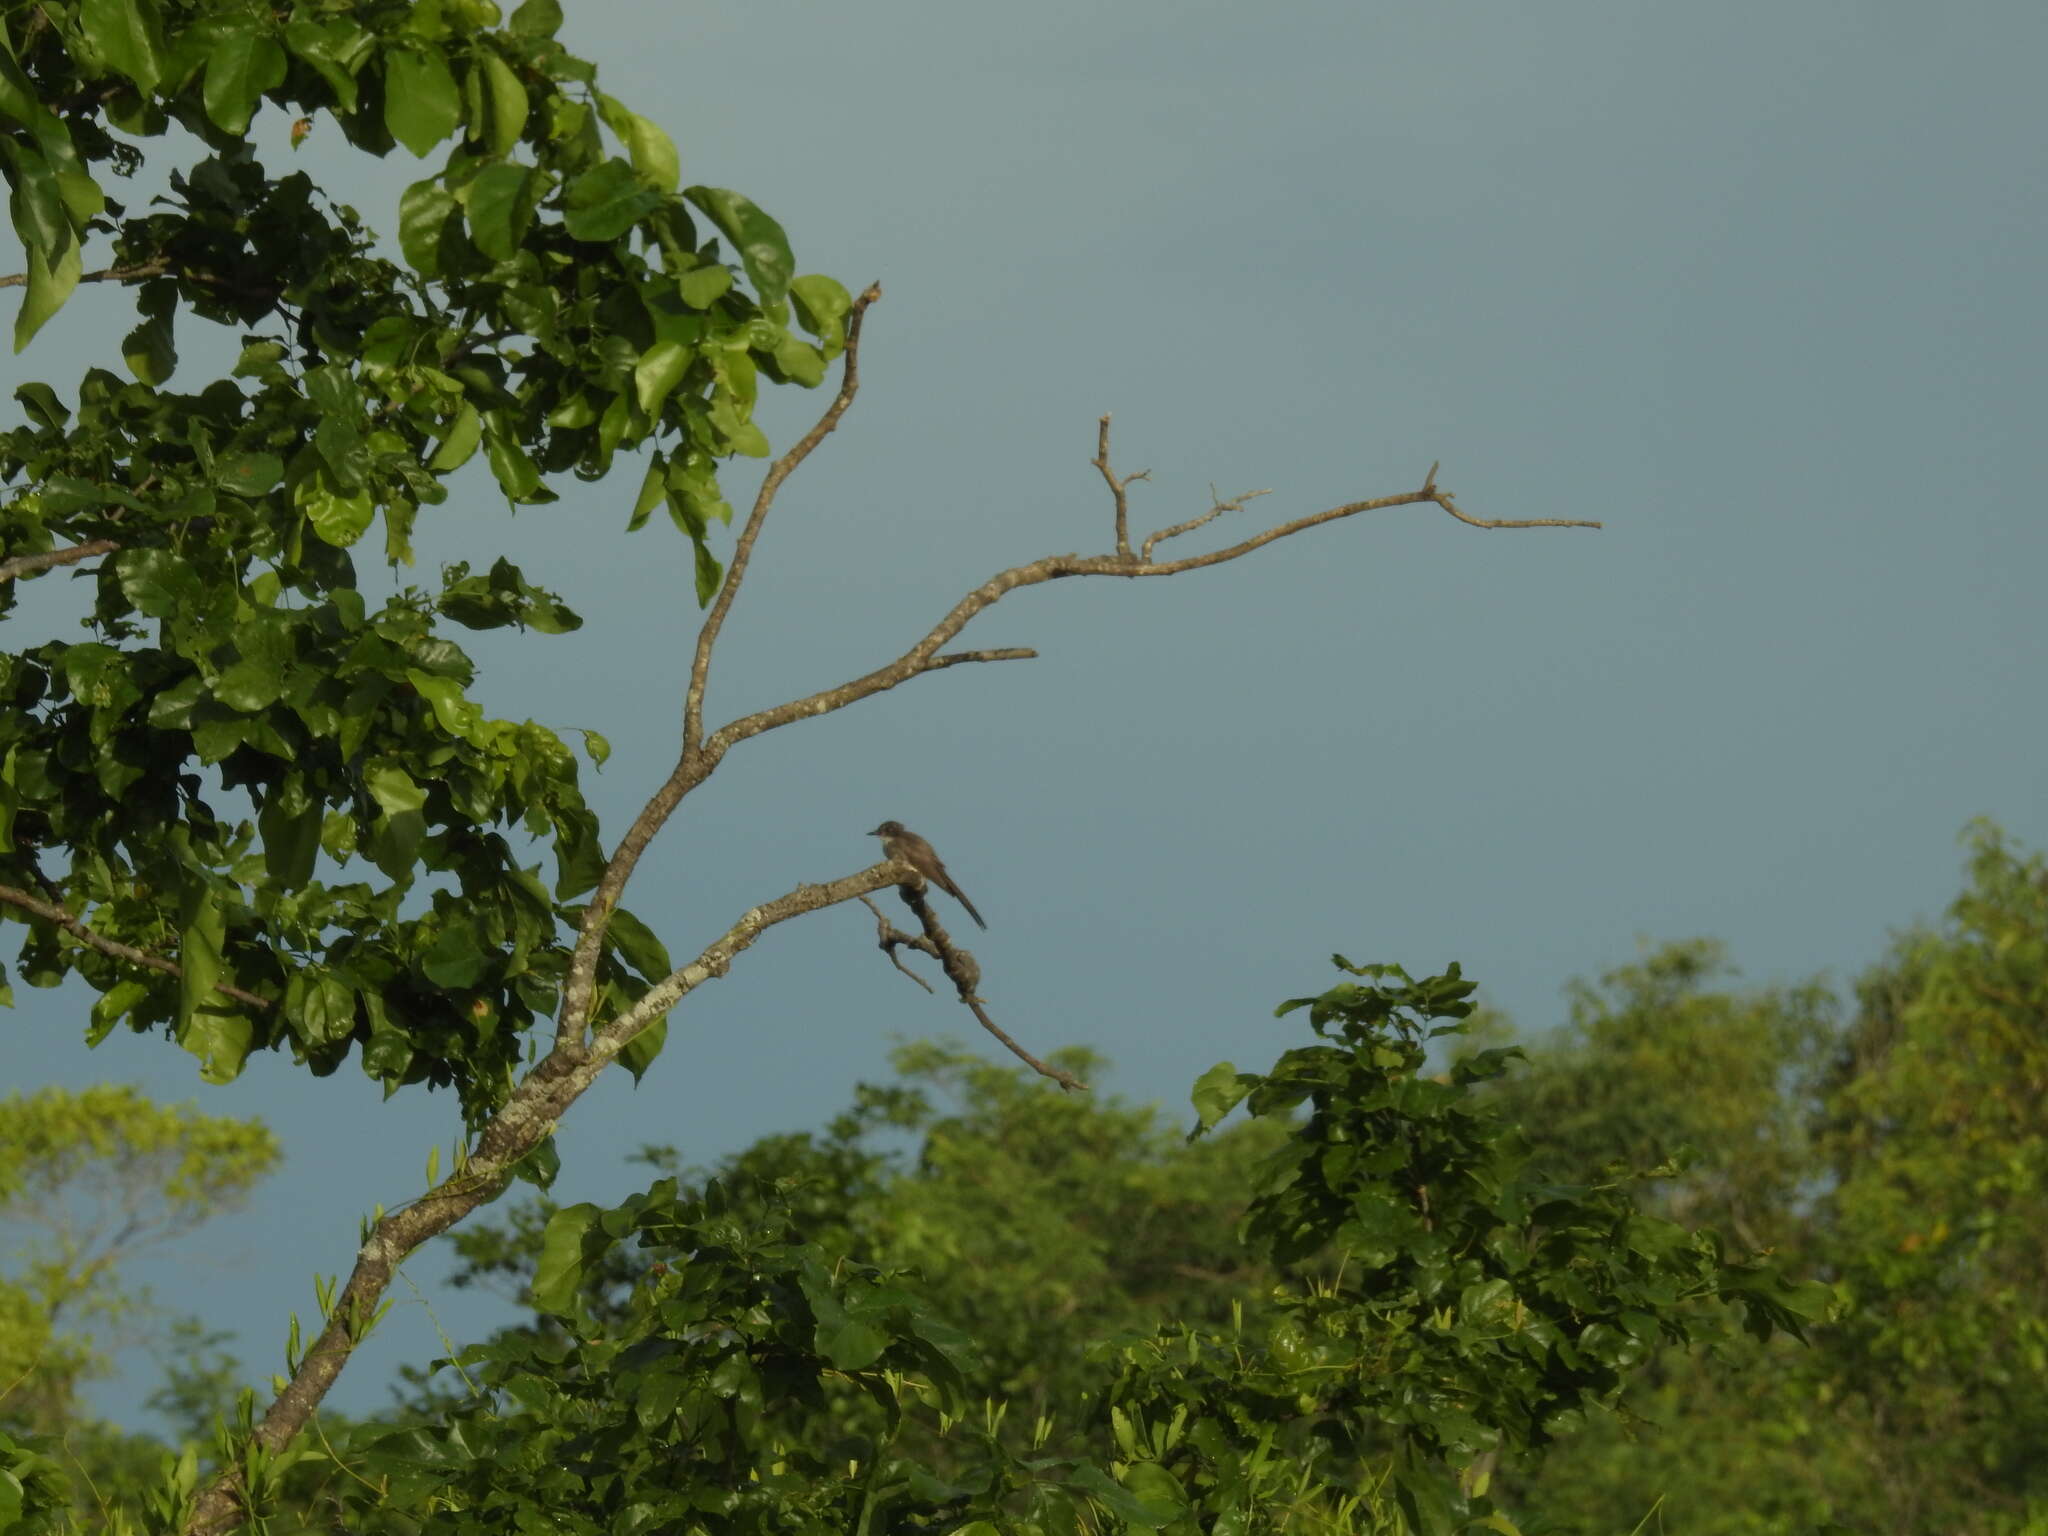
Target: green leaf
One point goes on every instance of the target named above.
(128, 34)
(157, 582)
(218, 1038)
(500, 204)
(458, 715)
(322, 1005)
(392, 787)
(50, 283)
(455, 959)
(659, 371)
(251, 684)
(422, 103)
(822, 305)
(336, 48)
(639, 1053)
(338, 519)
(574, 1240)
(460, 443)
(424, 210)
(509, 106)
(247, 474)
(516, 473)
(709, 574)
(762, 246)
(1217, 1092)
(636, 942)
(149, 351)
(290, 824)
(704, 286)
(42, 406)
(241, 65)
(537, 18)
(652, 151)
(606, 201)
(653, 491)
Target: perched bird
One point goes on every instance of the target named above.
(906, 847)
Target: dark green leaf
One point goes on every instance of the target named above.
(500, 203)
(424, 211)
(606, 201)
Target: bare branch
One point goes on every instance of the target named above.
(923, 656)
(1118, 487)
(888, 938)
(28, 565)
(691, 769)
(1216, 509)
(51, 912)
(963, 971)
(743, 547)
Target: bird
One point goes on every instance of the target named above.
(906, 847)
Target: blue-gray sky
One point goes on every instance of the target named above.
(1760, 286)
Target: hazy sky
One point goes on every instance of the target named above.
(1760, 286)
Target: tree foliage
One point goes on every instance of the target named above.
(1901, 1154)
(716, 1354)
(557, 304)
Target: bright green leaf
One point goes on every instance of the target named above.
(245, 61)
(509, 105)
(422, 103)
(653, 152)
(762, 246)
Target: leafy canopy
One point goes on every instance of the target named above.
(556, 298)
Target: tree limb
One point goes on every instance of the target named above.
(28, 565)
(51, 912)
(961, 969)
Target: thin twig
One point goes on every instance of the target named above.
(50, 912)
(1118, 487)
(1216, 509)
(28, 565)
(743, 547)
(964, 971)
(889, 938)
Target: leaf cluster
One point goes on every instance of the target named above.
(242, 723)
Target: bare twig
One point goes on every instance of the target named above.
(743, 547)
(51, 912)
(28, 565)
(1216, 509)
(1118, 487)
(889, 938)
(963, 971)
(690, 769)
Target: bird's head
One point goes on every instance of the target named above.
(888, 829)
